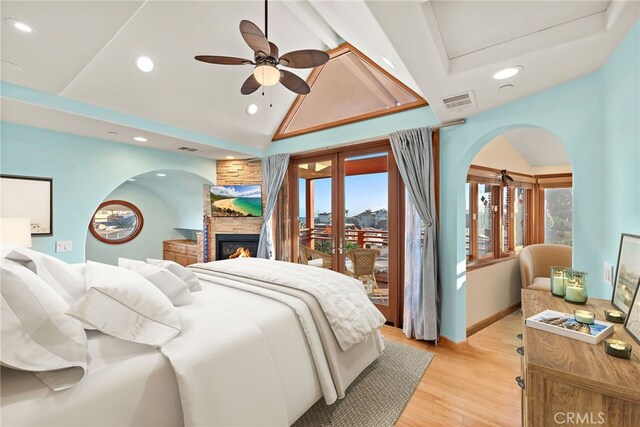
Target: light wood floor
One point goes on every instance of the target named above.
(474, 387)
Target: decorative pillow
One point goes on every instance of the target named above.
(183, 273)
(36, 334)
(122, 303)
(65, 280)
(170, 284)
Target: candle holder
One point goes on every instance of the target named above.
(584, 316)
(559, 275)
(617, 348)
(575, 289)
(614, 316)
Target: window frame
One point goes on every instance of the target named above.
(501, 252)
(545, 182)
(130, 237)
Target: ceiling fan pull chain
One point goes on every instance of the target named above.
(270, 97)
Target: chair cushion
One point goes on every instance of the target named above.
(541, 284)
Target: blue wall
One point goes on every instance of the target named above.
(597, 119)
(84, 171)
(159, 224)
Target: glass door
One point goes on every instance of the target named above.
(346, 209)
(314, 218)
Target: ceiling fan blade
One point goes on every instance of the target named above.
(249, 86)
(254, 37)
(223, 60)
(294, 83)
(307, 58)
(274, 50)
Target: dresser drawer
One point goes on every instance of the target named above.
(192, 250)
(172, 247)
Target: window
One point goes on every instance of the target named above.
(558, 215)
(116, 222)
(497, 214)
(484, 223)
(520, 213)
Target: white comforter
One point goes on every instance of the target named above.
(224, 365)
(353, 318)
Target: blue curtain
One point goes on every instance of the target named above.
(413, 151)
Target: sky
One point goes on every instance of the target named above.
(362, 192)
(237, 190)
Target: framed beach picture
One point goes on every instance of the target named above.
(28, 197)
(236, 200)
(632, 323)
(627, 272)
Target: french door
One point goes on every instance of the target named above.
(346, 213)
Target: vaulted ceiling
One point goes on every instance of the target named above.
(76, 71)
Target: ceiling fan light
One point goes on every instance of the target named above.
(266, 75)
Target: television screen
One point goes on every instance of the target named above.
(236, 200)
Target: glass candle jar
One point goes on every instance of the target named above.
(575, 289)
(557, 280)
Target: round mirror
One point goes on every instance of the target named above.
(116, 222)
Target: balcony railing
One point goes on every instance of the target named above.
(362, 238)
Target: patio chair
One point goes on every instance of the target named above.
(363, 263)
(312, 257)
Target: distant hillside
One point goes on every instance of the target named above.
(216, 197)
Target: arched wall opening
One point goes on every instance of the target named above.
(517, 192)
(171, 202)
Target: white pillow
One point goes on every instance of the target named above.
(183, 273)
(122, 303)
(170, 284)
(64, 279)
(36, 334)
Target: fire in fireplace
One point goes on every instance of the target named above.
(230, 246)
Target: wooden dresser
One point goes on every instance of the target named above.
(570, 382)
(184, 252)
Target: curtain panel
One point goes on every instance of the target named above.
(413, 151)
(273, 171)
(282, 223)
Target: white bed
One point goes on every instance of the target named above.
(259, 355)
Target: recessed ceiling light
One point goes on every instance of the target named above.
(131, 179)
(388, 62)
(506, 73)
(112, 132)
(252, 109)
(140, 139)
(505, 88)
(229, 157)
(144, 64)
(20, 25)
(161, 174)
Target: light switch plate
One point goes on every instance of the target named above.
(63, 246)
(608, 273)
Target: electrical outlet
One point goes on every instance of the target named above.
(608, 273)
(63, 246)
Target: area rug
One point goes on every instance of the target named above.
(378, 396)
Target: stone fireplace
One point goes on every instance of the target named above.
(229, 246)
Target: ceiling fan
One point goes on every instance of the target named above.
(266, 60)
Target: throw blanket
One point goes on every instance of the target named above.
(352, 317)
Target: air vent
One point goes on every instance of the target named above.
(459, 102)
(189, 149)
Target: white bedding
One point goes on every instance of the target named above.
(259, 371)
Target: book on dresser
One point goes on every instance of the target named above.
(565, 324)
